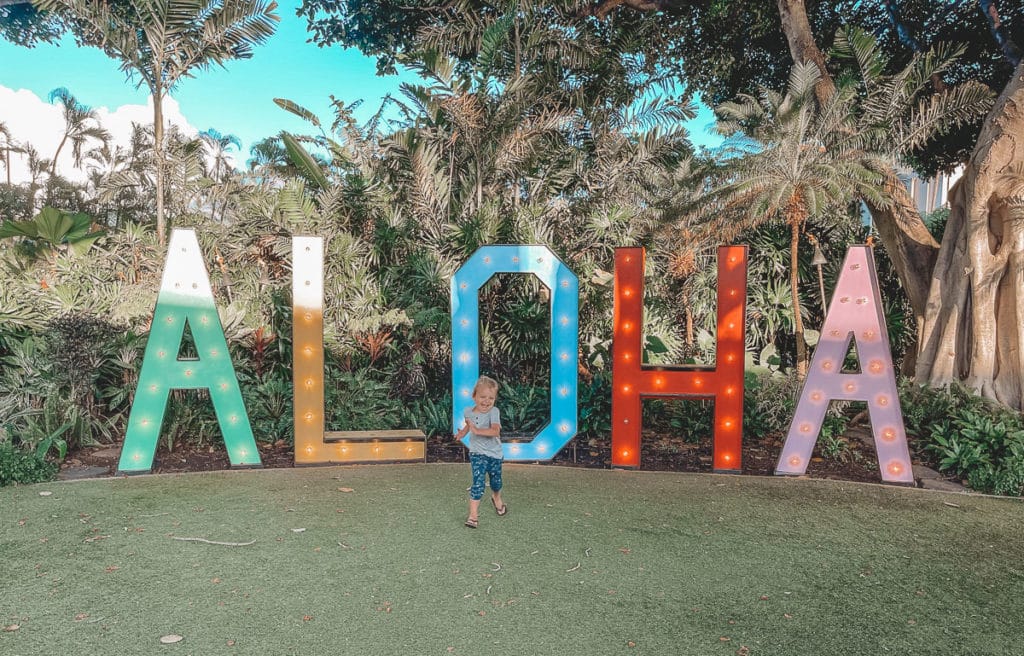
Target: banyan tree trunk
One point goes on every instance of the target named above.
(974, 321)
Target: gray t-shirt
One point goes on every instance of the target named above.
(488, 446)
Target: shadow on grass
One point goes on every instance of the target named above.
(586, 562)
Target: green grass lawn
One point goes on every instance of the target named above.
(586, 562)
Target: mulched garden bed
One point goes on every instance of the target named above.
(659, 453)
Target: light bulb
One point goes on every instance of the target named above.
(795, 461)
(805, 428)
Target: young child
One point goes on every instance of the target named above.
(483, 423)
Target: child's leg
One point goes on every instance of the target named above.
(476, 491)
(494, 475)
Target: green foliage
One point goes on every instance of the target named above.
(53, 229)
(20, 466)
(967, 436)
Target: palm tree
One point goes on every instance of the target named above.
(163, 41)
(8, 146)
(81, 123)
(215, 151)
(790, 159)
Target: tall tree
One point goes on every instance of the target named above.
(7, 146)
(806, 158)
(81, 123)
(163, 41)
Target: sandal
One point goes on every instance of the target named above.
(501, 511)
(472, 523)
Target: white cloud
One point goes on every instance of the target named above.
(31, 119)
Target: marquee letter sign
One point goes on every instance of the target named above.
(855, 312)
(631, 381)
(564, 286)
(308, 350)
(185, 299)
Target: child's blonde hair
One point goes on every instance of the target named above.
(485, 381)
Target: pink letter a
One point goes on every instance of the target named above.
(855, 312)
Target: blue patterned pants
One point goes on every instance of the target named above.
(484, 466)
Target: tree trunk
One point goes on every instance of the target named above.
(909, 243)
(794, 283)
(802, 47)
(158, 162)
(60, 147)
(974, 323)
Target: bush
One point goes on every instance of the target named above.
(18, 466)
(967, 436)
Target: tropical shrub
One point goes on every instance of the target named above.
(18, 466)
(967, 436)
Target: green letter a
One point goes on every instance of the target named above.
(185, 296)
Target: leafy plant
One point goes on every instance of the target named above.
(54, 230)
(18, 466)
(967, 436)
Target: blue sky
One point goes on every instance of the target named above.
(234, 100)
(237, 99)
